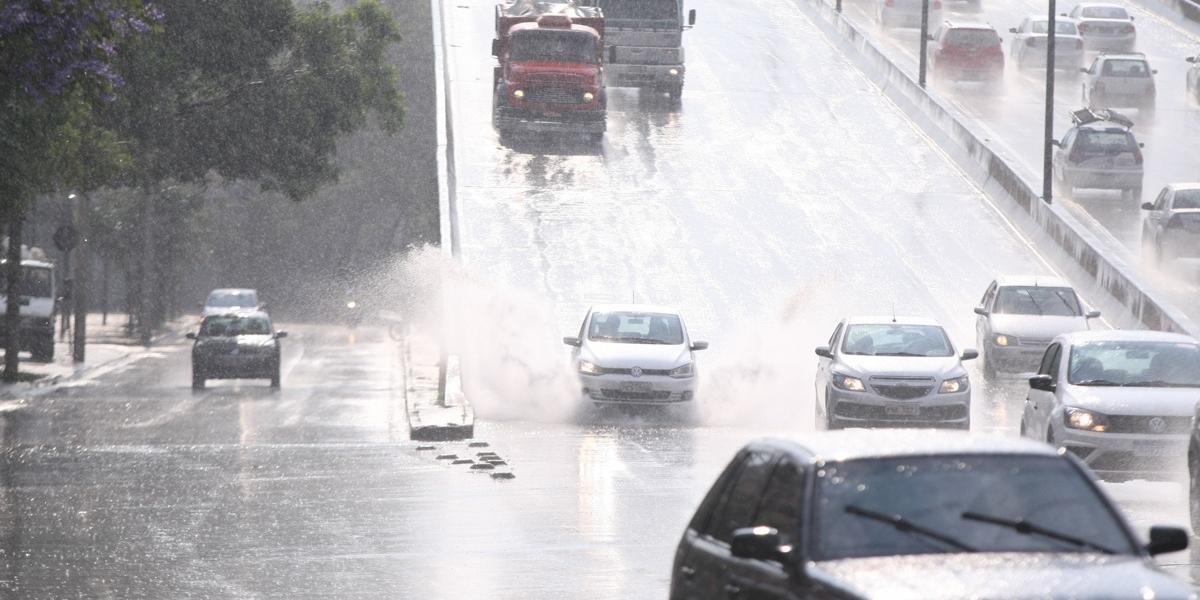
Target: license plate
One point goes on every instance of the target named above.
(633, 386)
(1155, 449)
(553, 114)
(902, 410)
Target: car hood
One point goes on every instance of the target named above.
(613, 355)
(1036, 327)
(903, 366)
(1143, 401)
(999, 576)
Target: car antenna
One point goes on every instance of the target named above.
(893, 311)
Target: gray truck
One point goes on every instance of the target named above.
(644, 40)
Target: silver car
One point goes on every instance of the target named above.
(1018, 316)
(1122, 401)
(224, 300)
(1120, 81)
(1099, 152)
(1171, 225)
(635, 354)
(892, 372)
(1105, 26)
(906, 13)
(1028, 46)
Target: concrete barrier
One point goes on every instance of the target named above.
(1015, 189)
(1185, 13)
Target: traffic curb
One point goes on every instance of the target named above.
(434, 401)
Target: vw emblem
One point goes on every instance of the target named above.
(1157, 424)
(636, 371)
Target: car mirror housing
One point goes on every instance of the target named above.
(969, 354)
(699, 346)
(1056, 143)
(190, 335)
(758, 543)
(1042, 383)
(1191, 59)
(1165, 538)
(1147, 206)
(691, 17)
(1092, 314)
(981, 311)
(280, 334)
(1012, 29)
(1083, 69)
(824, 352)
(572, 341)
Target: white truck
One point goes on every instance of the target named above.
(38, 303)
(644, 43)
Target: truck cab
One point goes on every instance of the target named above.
(550, 75)
(645, 43)
(38, 304)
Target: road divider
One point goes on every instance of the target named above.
(1016, 190)
(433, 398)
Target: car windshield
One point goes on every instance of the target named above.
(232, 299)
(636, 328)
(36, 282)
(1032, 300)
(1121, 67)
(233, 325)
(865, 507)
(1063, 27)
(549, 45)
(1186, 199)
(1105, 12)
(1135, 364)
(897, 340)
(643, 10)
(972, 38)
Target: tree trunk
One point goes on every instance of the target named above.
(12, 314)
(80, 277)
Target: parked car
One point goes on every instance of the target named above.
(887, 372)
(635, 354)
(236, 345)
(1100, 152)
(905, 13)
(914, 516)
(226, 299)
(1193, 78)
(1120, 81)
(1028, 46)
(1018, 316)
(1171, 224)
(1105, 26)
(1122, 401)
(966, 52)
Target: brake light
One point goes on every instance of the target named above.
(1137, 155)
(937, 4)
(889, 2)
(1128, 29)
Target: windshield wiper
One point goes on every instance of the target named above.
(900, 354)
(634, 340)
(1037, 305)
(1024, 527)
(900, 523)
(1098, 382)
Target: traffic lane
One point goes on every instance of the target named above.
(1013, 118)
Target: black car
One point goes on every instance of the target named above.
(236, 345)
(914, 515)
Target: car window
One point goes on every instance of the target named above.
(737, 508)
(833, 338)
(548, 45)
(36, 282)
(893, 339)
(1123, 67)
(1036, 300)
(1055, 363)
(1160, 201)
(1069, 138)
(704, 521)
(1105, 143)
(1063, 27)
(1186, 199)
(1105, 12)
(1135, 364)
(946, 495)
(972, 38)
(1048, 359)
(232, 299)
(986, 301)
(636, 328)
(782, 502)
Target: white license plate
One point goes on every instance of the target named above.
(902, 410)
(1155, 449)
(632, 386)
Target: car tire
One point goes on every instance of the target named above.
(276, 380)
(197, 381)
(675, 93)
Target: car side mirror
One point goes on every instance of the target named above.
(699, 345)
(200, 305)
(824, 352)
(496, 48)
(1141, 145)
(1130, 17)
(572, 341)
(1056, 143)
(1191, 59)
(190, 335)
(1084, 70)
(1042, 383)
(929, 36)
(1154, 71)
(1062, 14)
(758, 543)
(1164, 539)
(1012, 29)
(981, 311)
(969, 354)
(1092, 314)
(280, 334)
(1147, 206)
(691, 17)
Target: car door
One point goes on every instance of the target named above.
(1018, 41)
(709, 558)
(780, 507)
(824, 365)
(1193, 74)
(983, 323)
(1155, 217)
(1039, 403)
(1063, 152)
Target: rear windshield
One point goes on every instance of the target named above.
(646, 10)
(560, 46)
(35, 281)
(230, 325)
(1106, 142)
(1187, 199)
(232, 299)
(1126, 68)
(1105, 12)
(1063, 27)
(972, 38)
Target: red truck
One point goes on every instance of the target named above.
(550, 78)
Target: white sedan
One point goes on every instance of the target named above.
(1028, 47)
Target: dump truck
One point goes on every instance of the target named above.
(645, 43)
(549, 77)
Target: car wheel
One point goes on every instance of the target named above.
(43, 349)
(197, 381)
(275, 378)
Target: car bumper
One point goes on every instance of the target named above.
(896, 17)
(1103, 179)
(235, 366)
(643, 76)
(864, 409)
(574, 121)
(1015, 359)
(1127, 455)
(644, 390)
(1109, 42)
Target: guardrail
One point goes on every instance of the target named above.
(1001, 177)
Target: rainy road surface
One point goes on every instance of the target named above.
(785, 193)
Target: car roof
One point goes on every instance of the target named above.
(1125, 335)
(1184, 186)
(968, 25)
(232, 291)
(1101, 5)
(1031, 281)
(240, 312)
(889, 319)
(1122, 55)
(862, 444)
(636, 308)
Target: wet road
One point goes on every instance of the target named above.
(1013, 118)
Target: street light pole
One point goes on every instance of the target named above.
(1048, 136)
(923, 58)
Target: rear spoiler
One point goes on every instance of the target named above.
(1084, 116)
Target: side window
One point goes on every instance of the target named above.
(1047, 359)
(737, 508)
(704, 522)
(833, 338)
(1054, 362)
(988, 296)
(1165, 200)
(1068, 140)
(783, 501)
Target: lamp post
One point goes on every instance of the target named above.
(923, 59)
(1048, 136)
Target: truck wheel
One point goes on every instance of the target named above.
(275, 379)
(43, 349)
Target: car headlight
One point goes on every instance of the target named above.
(848, 383)
(958, 384)
(588, 368)
(1077, 418)
(588, 96)
(674, 72)
(1004, 340)
(683, 371)
(518, 94)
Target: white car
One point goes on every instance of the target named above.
(1120, 81)
(635, 355)
(1122, 401)
(1018, 316)
(230, 299)
(1105, 26)
(1028, 47)
(906, 13)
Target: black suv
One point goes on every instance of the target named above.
(914, 515)
(236, 345)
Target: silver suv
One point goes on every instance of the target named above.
(1099, 152)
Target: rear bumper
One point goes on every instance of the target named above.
(1014, 359)
(643, 76)
(575, 121)
(1102, 179)
(234, 367)
(1109, 42)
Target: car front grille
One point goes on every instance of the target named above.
(611, 394)
(901, 392)
(659, 372)
(554, 95)
(855, 410)
(1139, 424)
